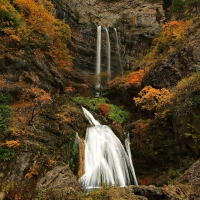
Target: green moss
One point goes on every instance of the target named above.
(115, 113)
(6, 153)
(89, 102)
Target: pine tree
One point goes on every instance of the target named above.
(178, 7)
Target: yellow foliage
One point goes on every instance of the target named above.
(173, 32)
(135, 78)
(33, 171)
(153, 99)
(12, 143)
(34, 28)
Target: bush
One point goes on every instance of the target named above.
(104, 108)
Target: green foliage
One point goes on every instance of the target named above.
(114, 113)
(91, 103)
(5, 113)
(117, 114)
(178, 7)
(6, 153)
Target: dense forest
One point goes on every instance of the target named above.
(47, 70)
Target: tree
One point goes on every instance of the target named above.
(178, 7)
(154, 100)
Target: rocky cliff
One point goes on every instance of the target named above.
(37, 145)
(137, 22)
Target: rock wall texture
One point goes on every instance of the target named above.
(181, 63)
(136, 22)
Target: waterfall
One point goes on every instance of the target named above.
(128, 149)
(106, 160)
(118, 51)
(108, 54)
(98, 59)
(98, 62)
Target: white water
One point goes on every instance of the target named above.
(118, 51)
(106, 160)
(98, 59)
(98, 62)
(128, 149)
(108, 54)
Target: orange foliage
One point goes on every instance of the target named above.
(135, 78)
(153, 99)
(104, 108)
(69, 89)
(176, 29)
(39, 96)
(33, 171)
(140, 127)
(39, 30)
(12, 143)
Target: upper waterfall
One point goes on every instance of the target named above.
(118, 51)
(108, 54)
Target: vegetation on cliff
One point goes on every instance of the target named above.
(40, 117)
(32, 25)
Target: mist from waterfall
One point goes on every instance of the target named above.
(118, 51)
(106, 160)
(108, 54)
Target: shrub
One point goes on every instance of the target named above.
(104, 108)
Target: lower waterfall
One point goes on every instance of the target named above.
(106, 160)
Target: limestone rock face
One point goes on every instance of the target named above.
(136, 22)
(192, 175)
(180, 64)
(61, 177)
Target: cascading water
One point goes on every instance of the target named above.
(128, 149)
(98, 61)
(108, 54)
(118, 51)
(106, 160)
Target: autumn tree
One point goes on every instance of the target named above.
(154, 100)
(172, 35)
(29, 24)
(37, 99)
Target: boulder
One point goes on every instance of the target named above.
(61, 177)
(192, 175)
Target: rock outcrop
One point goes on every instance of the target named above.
(171, 192)
(61, 177)
(180, 64)
(192, 175)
